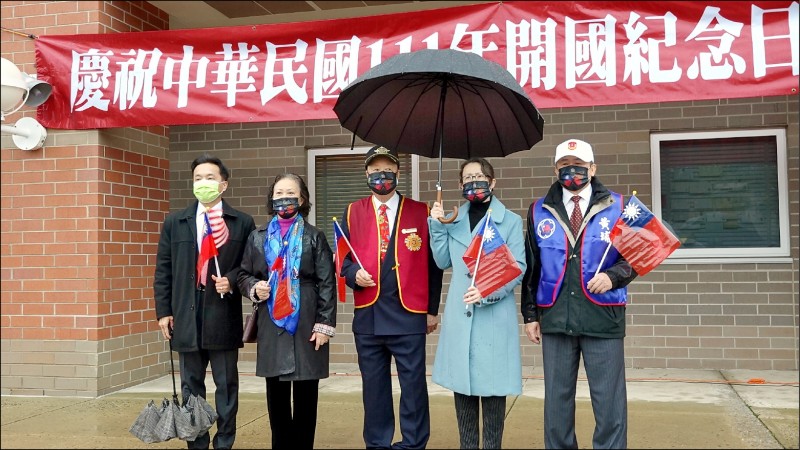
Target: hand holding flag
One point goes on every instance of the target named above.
(342, 248)
(208, 250)
(641, 238)
(489, 252)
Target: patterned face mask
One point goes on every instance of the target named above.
(286, 207)
(476, 191)
(382, 183)
(573, 178)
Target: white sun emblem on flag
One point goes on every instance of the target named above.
(488, 235)
(631, 212)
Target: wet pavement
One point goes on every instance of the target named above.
(667, 408)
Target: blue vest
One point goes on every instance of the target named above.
(551, 237)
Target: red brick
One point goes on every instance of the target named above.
(39, 189)
(10, 333)
(9, 309)
(34, 165)
(29, 202)
(38, 261)
(31, 215)
(25, 321)
(58, 322)
(38, 333)
(89, 28)
(8, 285)
(73, 164)
(28, 249)
(72, 334)
(77, 18)
(63, 30)
(61, 7)
(87, 5)
(87, 322)
(27, 177)
(28, 273)
(30, 9)
(66, 151)
(62, 176)
(71, 309)
(11, 262)
(40, 21)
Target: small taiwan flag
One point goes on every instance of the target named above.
(496, 265)
(641, 238)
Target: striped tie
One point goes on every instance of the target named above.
(219, 231)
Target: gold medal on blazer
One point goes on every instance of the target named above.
(412, 240)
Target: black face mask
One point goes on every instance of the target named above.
(573, 178)
(476, 191)
(286, 207)
(382, 183)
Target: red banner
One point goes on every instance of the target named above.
(564, 54)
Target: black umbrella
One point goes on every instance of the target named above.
(186, 421)
(441, 103)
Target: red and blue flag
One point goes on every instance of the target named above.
(496, 265)
(208, 250)
(641, 238)
(341, 249)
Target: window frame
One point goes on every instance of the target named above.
(313, 153)
(733, 255)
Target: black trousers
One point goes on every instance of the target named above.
(494, 415)
(292, 429)
(374, 360)
(226, 397)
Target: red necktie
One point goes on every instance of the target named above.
(383, 227)
(577, 216)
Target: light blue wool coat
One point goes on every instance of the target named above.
(480, 354)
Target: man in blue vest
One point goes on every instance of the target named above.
(573, 299)
(396, 287)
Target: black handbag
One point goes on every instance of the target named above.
(251, 326)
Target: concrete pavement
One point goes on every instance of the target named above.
(666, 409)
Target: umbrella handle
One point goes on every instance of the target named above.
(455, 209)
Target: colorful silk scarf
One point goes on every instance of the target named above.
(282, 254)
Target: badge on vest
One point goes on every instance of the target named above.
(545, 228)
(413, 241)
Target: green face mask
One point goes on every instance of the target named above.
(206, 191)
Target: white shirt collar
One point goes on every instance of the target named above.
(201, 209)
(392, 204)
(585, 195)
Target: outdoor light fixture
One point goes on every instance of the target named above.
(20, 89)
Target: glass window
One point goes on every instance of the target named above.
(337, 177)
(723, 193)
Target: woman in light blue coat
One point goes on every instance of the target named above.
(478, 354)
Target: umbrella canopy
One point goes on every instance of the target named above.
(441, 103)
(172, 419)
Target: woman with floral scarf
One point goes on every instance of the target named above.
(288, 265)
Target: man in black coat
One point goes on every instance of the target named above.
(198, 303)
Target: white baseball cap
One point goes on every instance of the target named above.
(576, 148)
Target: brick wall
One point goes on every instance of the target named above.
(80, 227)
(680, 315)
